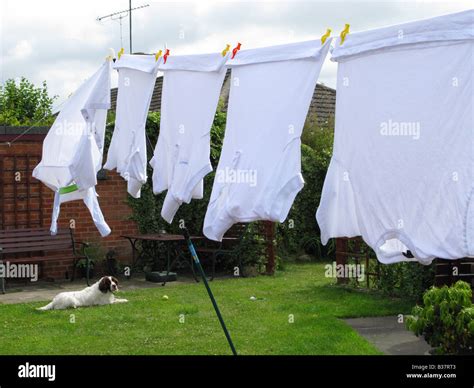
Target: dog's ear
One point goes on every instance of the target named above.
(114, 279)
(104, 284)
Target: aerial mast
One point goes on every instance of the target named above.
(121, 15)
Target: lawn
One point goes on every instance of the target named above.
(296, 312)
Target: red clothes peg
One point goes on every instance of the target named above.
(165, 57)
(235, 50)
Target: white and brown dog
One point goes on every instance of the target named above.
(100, 293)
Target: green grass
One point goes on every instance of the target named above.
(150, 325)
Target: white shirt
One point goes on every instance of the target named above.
(73, 147)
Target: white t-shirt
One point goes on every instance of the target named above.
(401, 175)
(191, 89)
(259, 171)
(127, 151)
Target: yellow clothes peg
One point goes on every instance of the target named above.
(120, 53)
(344, 33)
(226, 50)
(326, 35)
(158, 55)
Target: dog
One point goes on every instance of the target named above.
(100, 293)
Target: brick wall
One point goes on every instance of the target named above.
(112, 199)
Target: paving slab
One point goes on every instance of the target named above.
(389, 336)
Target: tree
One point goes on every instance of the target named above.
(22, 103)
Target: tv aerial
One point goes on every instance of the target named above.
(120, 15)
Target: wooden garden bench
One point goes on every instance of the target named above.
(31, 246)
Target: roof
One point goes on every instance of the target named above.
(24, 133)
(322, 104)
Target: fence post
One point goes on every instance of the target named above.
(270, 249)
(341, 257)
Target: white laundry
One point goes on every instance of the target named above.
(89, 197)
(191, 89)
(73, 147)
(259, 171)
(401, 175)
(127, 151)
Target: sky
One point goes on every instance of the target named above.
(61, 41)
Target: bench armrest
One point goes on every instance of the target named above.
(83, 245)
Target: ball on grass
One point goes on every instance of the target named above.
(165, 297)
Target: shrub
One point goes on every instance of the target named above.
(405, 280)
(22, 103)
(447, 319)
(251, 251)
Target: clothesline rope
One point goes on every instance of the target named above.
(158, 54)
(9, 143)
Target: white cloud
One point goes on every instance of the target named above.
(21, 51)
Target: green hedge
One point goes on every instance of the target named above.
(405, 280)
(300, 233)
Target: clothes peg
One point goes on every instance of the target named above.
(344, 33)
(111, 55)
(165, 57)
(226, 50)
(158, 55)
(325, 36)
(68, 189)
(235, 50)
(120, 53)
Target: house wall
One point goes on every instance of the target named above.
(113, 201)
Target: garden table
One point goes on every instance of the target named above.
(173, 242)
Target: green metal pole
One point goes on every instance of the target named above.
(209, 291)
